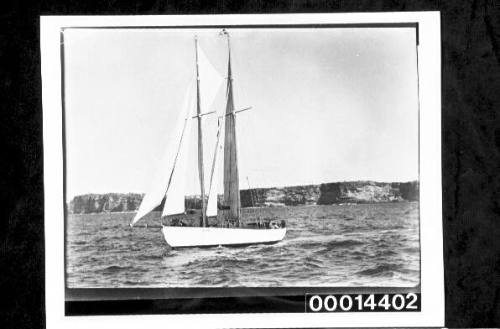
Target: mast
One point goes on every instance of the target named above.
(231, 179)
(200, 140)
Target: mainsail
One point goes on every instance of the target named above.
(175, 195)
(231, 179)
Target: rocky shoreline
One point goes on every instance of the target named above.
(322, 194)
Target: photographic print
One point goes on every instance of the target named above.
(243, 156)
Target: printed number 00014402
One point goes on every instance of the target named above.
(409, 302)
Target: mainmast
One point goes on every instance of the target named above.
(231, 179)
(200, 141)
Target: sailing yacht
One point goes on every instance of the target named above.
(170, 185)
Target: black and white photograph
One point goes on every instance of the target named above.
(248, 156)
(299, 147)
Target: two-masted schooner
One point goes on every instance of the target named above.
(170, 185)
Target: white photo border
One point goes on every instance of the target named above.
(431, 243)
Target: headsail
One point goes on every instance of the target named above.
(160, 183)
(175, 195)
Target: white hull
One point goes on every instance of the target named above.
(182, 236)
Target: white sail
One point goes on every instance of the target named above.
(159, 184)
(212, 192)
(175, 196)
(210, 81)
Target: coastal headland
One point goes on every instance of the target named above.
(320, 194)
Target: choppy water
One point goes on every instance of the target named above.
(337, 245)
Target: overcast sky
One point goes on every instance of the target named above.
(328, 104)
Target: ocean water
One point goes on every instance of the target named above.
(334, 245)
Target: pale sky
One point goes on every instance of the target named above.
(329, 104)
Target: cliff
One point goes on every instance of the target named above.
(367, 192)
(112, 202)
(323, 194)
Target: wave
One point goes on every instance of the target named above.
(386, 252)
(411, 249)
(311, 262)
(113, 269)
(220, 262)
(343, 243)
(83, 233)
(333, 244)
(378, 247)
(100, 239)
(150, 257)
(380, 270)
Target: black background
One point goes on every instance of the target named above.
(470, 135)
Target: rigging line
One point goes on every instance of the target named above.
(214, 159)
(177, 154)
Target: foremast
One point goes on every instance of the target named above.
(200, 141)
